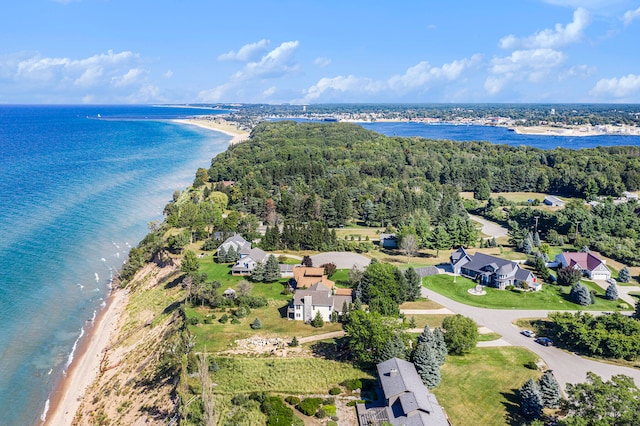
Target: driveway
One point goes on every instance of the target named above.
(567, 367)
(342, 259)
(491, 229)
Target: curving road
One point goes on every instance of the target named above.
(489, 228)
(567, 367)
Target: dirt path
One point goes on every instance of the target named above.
(324, 336)
(491, 229)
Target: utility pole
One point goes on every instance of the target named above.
(536, 218)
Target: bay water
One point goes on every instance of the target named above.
(78, 186)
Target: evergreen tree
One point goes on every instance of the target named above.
(536, 239)
(317, 321)
(232, 254)
(402, 286)
(637, 311)
(414, 284)
(440, 239)
(271, 239)
(190, 263)
(549, 390)
(612, 292)
(482, 190)
(426, 337)
(272, 269)
(256, 324)
(439, 346)
(624, 276)
(530, 400)
(258, 272)
(527, 245)
(393, 348)
(580, 294)
(306, 261)
(493, 242)
(427, 366)
(222, 255)
(294, 342)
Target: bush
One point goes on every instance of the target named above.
(256, 324)
(335, 391)
(321, 413)
(330, 409)
(277, 413)
(235, 321)
(293, 400)
(194, 320)
(294, 342)
(352, 384)
(224, 318)
(328, 401)
(239, 399)
(309, 406)
(242, 312)
(332, 423)
(531, 365)
(353, 403)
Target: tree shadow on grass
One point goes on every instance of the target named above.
(173, 283)
(284, 311)
(172, 307)
(512, 405)
(334, 350)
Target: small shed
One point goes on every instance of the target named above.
(551, 200)
(229, 293)
(389, 241)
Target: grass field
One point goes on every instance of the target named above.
(483, 386)
(286, 376)
(550, 297)
(433, 320)
(421, 304)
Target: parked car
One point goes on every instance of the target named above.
(544, 341)
(528, 333)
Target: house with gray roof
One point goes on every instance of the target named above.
(491, 271)
(306, 303)
(407, 401)
(240, 245)
(248, 262)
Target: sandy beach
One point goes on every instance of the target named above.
(86, 365)
(585, 130)
(218, 124)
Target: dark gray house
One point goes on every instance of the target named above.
(389, 241)
(407, 400)
(490, 270)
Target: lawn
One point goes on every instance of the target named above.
(433, 320)
(483, 385)
(286, 376)
(550, 297)
(219, 272)
(421, 303)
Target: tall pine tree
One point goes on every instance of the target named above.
(439, 346)
(414, 284)
(271, 269)
(530, 400)
(393, 348)
(427, 366)
(549, 390)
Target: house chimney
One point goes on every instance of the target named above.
(393, 372)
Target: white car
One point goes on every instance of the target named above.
(528, 333)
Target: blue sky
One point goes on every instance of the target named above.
(170, 51)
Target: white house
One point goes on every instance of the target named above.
(589, 263)
(318, 298)
(248, 262)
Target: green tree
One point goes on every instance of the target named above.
(272, 269)
(598, 402)
(222, 255)
(426, 337)
(624, 276)
(530, 400)
(580, 294)
(202, 177)
(439, 346)
(569, 276)
(414, 284)
(257, 274)
(306, 261)
(394, 348)
(549, 390)
(190, 263)
(256, 324)
(232, 254)
(409, 245)
(482, 190)
(461, 334)
(440, 239)
(612, 292)
(426, 365)
(317, 321)
(271, 239)
(367, 334)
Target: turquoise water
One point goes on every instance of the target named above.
(78, 186)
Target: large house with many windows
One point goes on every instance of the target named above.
(491, 271)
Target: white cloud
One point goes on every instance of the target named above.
(269, 92)
(423, 73)
(248, 52)
(551, 38)
(274, 64)
(133, 76)
(522, 65)
(168, 74)
(630, 16)
(587, 4)
(322, 62)
(617, 87)
(416, 78)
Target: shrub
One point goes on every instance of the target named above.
(239, 399)
(321, 413)
(256, 324)
(328, 401)
(242, 312)
(317, 321)
(309, 406)
(330, 409)
(293, 400)
(277, 413)
(194, 320)
(332, 423)
(352, 384)
(294, 342)
(224, 318)
(335, 391)
(531, 365)
(235, 321)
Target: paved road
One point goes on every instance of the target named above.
(491, 229)
(567, 367)
(343, 260)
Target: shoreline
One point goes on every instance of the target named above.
(68, 394)
(217, 124)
